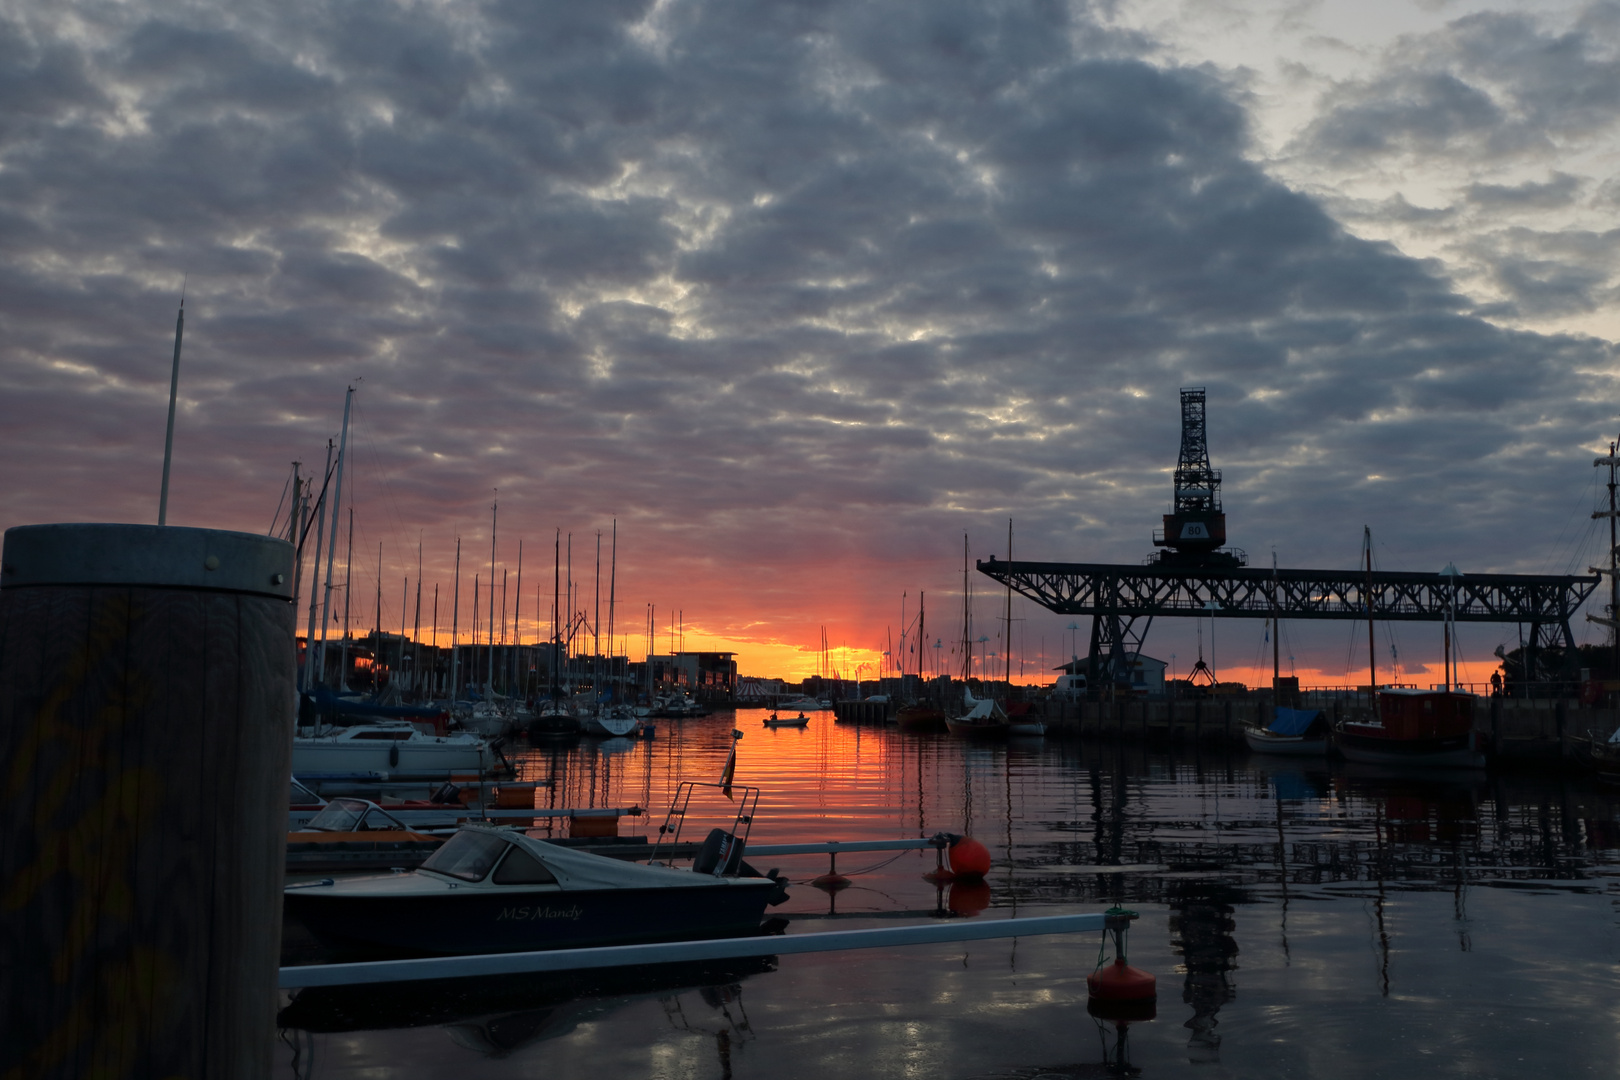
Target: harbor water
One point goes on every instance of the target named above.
(1304, 919)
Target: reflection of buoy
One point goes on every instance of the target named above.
(969, 858)
(969, 897)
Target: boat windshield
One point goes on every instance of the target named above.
(352, 815)
(467, 855)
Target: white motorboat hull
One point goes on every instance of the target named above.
(320, 754)
(1026, 727)
(1264, 742)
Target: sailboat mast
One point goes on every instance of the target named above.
(517, 626)
(922, 632)
(314, 573)
(556, 585)
(337, 502)
(1276, 631)
(376, 634)
(489, 679)
(613, 582)
(596, 631)
(967, 616)
(174, 391)
(1006, 643)
(455, 616)
(348, 574)
(1372, 650)
(416, 622)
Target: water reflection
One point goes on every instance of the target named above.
(1353, 900)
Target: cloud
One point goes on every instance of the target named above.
(797, 293)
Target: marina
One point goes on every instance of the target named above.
(1289, 908)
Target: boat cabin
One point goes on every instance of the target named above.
(1425, 714)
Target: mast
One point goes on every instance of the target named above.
(314, 572)
(489, 682)
(517, 632)
(376, 634)
(404, 602)
(967, 616)
(556, 585)
(455, 614)
(416, 628)
(433, 682)
(1276, 631)
(337, 503)
(1372, 651)
(613, 583)
(1006, 643)
(348, 568)
(596, 631)
(922, 635)
(174, 391)
(472, 661)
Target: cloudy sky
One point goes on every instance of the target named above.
(800, 294)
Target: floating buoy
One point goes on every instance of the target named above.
(1121, 982)
(832, 880)
(969, 858)
(1114, 987)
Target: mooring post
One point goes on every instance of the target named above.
(146, 711)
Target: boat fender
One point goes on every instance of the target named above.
(393, 754)
(969, 858)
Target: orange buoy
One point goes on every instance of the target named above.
(1121, 982)
(831, 882)
(969, 858)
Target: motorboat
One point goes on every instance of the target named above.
(493, 889)
(1415, 728)
(774, 721)
(356, 834)
(554, 719)
(1601, 754)
(985, 718)
(390, 746)
(1301, 732)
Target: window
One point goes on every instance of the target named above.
(521, 868)
(467, 855)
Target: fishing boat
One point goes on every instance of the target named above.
(1424, 728)
(1301, 732)
(774, 721)
(985, 718)
(356, 834)
(390, 746)
(490, 889)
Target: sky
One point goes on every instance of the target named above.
(795, 296)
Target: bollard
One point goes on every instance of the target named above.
(146, 708)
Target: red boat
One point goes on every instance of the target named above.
(1427, 728)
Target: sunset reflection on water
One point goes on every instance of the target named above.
(1302, 920)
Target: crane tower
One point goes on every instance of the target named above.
(1195, 528)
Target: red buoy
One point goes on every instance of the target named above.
(969, 858)
(1121, 982)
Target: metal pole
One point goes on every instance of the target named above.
(315, 573)
(447, 967)
(455, 614)
(174, 391)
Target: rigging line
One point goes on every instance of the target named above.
(271, 531)
(1551, 558)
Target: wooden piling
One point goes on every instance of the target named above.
(146, 709)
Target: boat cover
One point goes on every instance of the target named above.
(1293, 721)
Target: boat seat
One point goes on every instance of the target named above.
(720, 854)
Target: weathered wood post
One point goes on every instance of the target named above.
(146, 711)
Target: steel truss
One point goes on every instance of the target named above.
(1120, 596)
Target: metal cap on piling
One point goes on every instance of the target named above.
(171, 557)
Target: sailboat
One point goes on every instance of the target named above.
(919, 715)
(984, 718)
(1022, 724)
(1297, 732)
(1410, 727)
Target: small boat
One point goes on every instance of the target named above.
(1415, 728)
(774, 721)
(1020, 722)
(920, 717)
(613, 723)
(1601, 755)
(805, 704)
(390, 746)
(491, 889)
(985, 719)
(356, 834)
(1302, 732)
(553, 720)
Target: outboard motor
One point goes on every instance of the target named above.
(720, 854)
